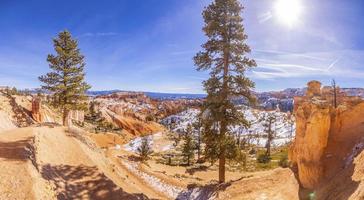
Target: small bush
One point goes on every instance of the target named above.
(263, 158)
(283, 161)
(252, 151)
(149, 118)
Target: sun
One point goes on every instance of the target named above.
(288, 12)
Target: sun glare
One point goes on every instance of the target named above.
(288, 12)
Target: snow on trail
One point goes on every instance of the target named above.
(156, 183)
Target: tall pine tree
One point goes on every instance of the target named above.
(269, 119)
(66, 81)
(224, 56)
(188, 145)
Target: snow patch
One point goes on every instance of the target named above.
(284, 126)
(154, 182)
(134, 144)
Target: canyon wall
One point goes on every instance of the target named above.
(327, 138)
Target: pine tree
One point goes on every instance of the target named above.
(268, 120)
(66, 81)
(188, 145)
(198, 126)
(92, 109)
(145, 149)
(224, 56)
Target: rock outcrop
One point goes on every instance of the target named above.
(314, 89)
(41, 113)
(36, 113)
(327, 138)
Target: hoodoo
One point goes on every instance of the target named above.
(327, 138)
(36, 112)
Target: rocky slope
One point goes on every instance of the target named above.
(137, 113)
(14, 111)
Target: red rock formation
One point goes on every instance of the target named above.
(36, 110)
(314, 89)
(325, 136)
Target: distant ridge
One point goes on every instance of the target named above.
(288, 93)
(156, 95)
(153, 95)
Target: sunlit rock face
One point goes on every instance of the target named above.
(314, 89)
(325, 135)
(36, 113)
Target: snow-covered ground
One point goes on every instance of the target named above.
(172, 191)
(284, 125)
(154, 182)
(157, 141)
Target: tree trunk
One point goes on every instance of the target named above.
(65, 117)
(268, 148)
(199, 145)
(223, 130)
(270, 137)
(222, 166)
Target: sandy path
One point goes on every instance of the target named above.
(45, 163)
(68, 167)
(15, 166)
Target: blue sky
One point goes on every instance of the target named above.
(148, 45)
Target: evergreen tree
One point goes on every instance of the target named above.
(269, 120)
(224, 56)
(188, 146)
(145, 149)
(92, 109)
(198, 126)
(12, 91)
(66, 81)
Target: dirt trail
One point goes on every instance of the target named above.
(18, 174)
(46, 163)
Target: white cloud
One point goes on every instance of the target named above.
(274, 65)
(265, 17)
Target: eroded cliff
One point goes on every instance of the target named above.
(328, 138)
